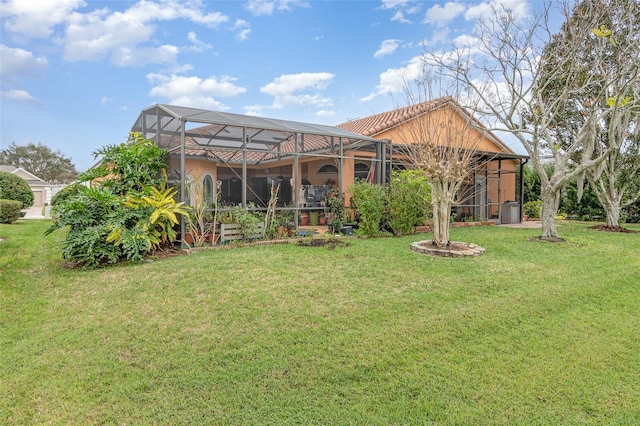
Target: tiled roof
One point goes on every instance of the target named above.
(376, 124)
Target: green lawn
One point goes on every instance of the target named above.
(373, 334)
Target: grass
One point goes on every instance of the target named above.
(527, 333)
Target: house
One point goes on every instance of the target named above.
(242, 157)
(493, 189)
(42, 191)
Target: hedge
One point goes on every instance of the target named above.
(9, 210)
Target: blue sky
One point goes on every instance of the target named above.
(74, 74)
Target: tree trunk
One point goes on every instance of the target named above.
(441, 202)
(550, 200)
(612, 210)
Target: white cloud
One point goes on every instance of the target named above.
(16, 64)
(124, 37)
(35, 19)
(197, 45)
(441, 15)
(402, 8)
(254, 110)
(20, 96)
(392, 4)
(399, 17)
(266, 7)
(194, 91)
(19, 62)
(289, 89)
(387, 47)
(243, 29)
(485, 9)
(282, 101)
(325, 113)
(290, 83)
(394, 80)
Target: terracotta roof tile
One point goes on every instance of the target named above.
(378, 123)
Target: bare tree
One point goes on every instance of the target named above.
(441, 141)
(507, 71)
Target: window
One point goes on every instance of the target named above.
(328, 168)
(207, 189)
(361, 171)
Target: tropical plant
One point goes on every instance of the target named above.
(154, 218)
(127, 213)
(66, 193)
(129, 167)
(203, 214)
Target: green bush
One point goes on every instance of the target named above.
(408, 201)
(249, 221)
(368, 201)
(129, 213)
(532, 208)
(13, 187)
(9, 210)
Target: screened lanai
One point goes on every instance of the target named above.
(245, 155)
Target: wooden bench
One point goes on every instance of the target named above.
(233, 232)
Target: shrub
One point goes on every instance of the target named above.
(249, 221)
(334, 210)
(15, 188)
(9, 210)
(408, 201)
(532, 208)
(368, 201)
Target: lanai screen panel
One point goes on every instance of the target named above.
(227, 136)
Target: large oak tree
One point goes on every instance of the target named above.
(41, 161)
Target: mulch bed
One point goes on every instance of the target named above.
(329, 243)
(606, 228)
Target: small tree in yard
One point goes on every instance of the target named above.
(441, 143)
